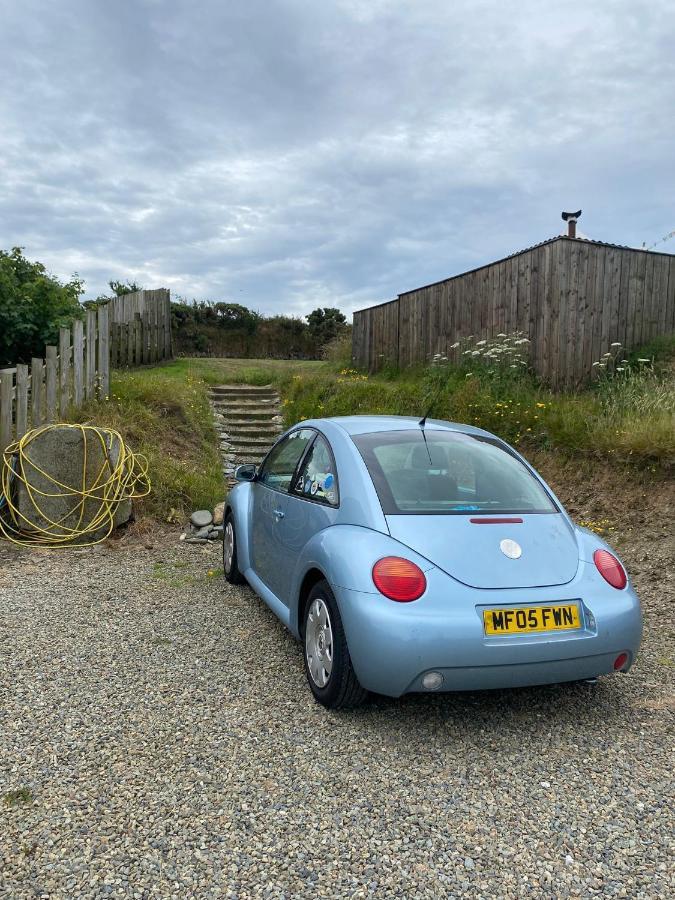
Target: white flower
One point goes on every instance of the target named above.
(501, 334)
(466, 352)
(475, 352)
(468, 374)
(616, 344)
(619, 369)
(644, 360)
(454, 346)
(480, 343)
(596, 363)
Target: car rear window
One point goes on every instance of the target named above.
(417, 472)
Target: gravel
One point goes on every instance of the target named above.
(157, 739)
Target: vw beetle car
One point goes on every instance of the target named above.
(429, 556)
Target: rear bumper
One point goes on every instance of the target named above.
(393, 645)
(479, 678)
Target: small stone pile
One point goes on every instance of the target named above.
(204, 526)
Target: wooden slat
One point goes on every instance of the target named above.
(90, 356)
(637, 298)
(37, 368)
(622, 333)
(6, 408)
(103, 328)
(668, 322)
(78, 363)
(586, 300)
(51, 381)
(21, 400)
(64, 371)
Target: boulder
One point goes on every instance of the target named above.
(200, 518)
(218, 513)
(59, 452)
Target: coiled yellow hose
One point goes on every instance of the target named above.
(93, 505)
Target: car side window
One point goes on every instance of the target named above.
(281, 463)
(317, 479)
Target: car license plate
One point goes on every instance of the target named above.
(526, 619)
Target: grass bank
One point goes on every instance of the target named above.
(625, 421)
(163, 412)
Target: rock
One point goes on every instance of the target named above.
(200, 518)
(59, 451)
(216, 534)
(202, 532)
(218, 513)
(196, 540)
(469, 863)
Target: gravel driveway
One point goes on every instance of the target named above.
(157, 739)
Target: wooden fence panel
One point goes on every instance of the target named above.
(21, 401)
(90, 355)
(6, 396)
(36, 391)
(51, 378)
(103, 325)
(64, 371)
(78, 363)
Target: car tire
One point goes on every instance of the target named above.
(230, 567)
(328, 666)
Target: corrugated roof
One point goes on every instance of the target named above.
(558, 237)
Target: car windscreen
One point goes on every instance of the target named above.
(420, 472)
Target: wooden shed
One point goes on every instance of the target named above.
(571, 297)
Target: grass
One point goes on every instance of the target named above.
(20, 795)
(163, 412)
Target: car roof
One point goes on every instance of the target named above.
(368, 424)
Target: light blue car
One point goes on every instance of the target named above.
(424, 556)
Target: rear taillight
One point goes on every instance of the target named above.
(399, 579)
(610, 568)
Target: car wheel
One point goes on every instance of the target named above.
(328, 665)
(230, 567)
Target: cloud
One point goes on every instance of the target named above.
(286, 155)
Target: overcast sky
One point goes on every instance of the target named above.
(287, 154)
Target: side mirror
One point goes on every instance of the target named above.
(246, 472)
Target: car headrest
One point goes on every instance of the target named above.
(430, 456)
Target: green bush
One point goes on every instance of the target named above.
(33, 305)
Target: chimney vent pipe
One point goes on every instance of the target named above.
(571, 219)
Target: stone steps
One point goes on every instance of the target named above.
(248, 418)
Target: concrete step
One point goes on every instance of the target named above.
(258, 422)
(244, 393)
(269, 432)
(250, 416)
(230, 407)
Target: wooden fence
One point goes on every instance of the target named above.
(130, 333)
(572, 298)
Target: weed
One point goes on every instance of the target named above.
(20, 795)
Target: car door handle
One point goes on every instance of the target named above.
(278, 513)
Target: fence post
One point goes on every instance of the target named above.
(51, 379)
(36, 378)
(21, 400)
(90, 379)
(78, 352)
(130, 343)
(6, 393)
(64, 371)
(103, 353)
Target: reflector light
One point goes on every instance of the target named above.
(496, 521)
(610, 568)
(620, 661)
(399, 579)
